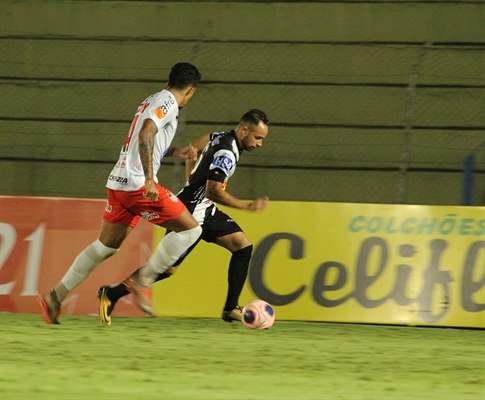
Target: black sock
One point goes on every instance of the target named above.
(163, 275)
(117, 292)
(238, 271)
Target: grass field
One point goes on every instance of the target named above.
(169, 358)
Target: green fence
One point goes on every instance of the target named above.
(350, 122)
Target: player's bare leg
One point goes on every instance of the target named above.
(110, 239)
(185, 232)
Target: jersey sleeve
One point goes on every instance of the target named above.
(156, 114)
(160, 109)
(222, 165)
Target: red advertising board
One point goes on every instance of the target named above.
(40, 238)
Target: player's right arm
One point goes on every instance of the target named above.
(215, 192)
(146, 140)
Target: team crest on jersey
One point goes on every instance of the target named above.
(121, 162)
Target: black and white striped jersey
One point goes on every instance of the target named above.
(217, 162)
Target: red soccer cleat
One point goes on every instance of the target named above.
(50, 311)
(142, 295)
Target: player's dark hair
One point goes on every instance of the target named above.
(254, 116)
(183, 75)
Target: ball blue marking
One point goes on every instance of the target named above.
(249, 317)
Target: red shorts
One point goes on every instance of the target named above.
(127, 207)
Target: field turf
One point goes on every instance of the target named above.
(170, 358)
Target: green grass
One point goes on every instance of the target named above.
(170, 358)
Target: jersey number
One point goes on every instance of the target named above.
(140, 109)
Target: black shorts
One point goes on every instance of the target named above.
(216, 224)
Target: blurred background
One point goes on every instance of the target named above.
(368, 101)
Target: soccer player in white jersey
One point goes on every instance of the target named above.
(134, 193)
(206, 186)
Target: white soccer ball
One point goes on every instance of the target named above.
(258, 314)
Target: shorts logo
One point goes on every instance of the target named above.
(108, 207)
(149, 216)
(172, 197)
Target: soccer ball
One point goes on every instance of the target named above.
(257, 315)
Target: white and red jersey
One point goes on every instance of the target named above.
(163, 110)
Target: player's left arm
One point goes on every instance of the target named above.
(185, 153)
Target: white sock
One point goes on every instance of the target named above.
(85, 262)
(168, 251)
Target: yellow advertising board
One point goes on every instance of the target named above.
(366, 263)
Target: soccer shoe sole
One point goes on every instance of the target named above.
(104, 304)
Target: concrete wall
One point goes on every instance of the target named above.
(333, 78)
